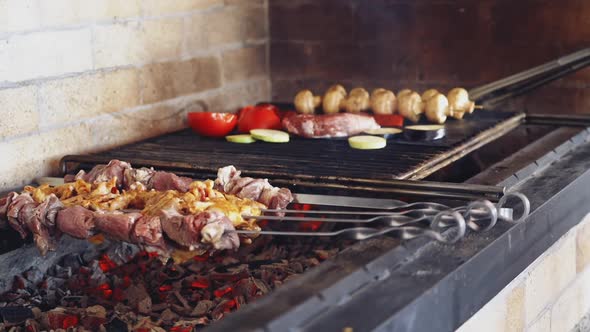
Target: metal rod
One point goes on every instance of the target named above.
(478, 92)
(569, 120)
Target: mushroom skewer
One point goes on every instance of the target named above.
(306, 103)
(383, 101)
(410, 105)
(333, 99)
(459, 103)
(357, 101)
(437, 108)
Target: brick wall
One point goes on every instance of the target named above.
(427, 43)
(551, 295)
(78, 76)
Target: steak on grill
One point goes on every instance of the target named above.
(328, 125)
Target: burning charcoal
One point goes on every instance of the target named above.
(222, 308)
(169, 317)
(21, 283)
(160, 306)
(34, 275)
(94, 317)
(122, 253)
(181, 299)
(73, 261)
(138, 298)
(116, 325)
(53, 283)
(297, 267)
(15, 315)
(188, 325)
(262, 286)
(90, 255)
(62, 272)
(202, 308)
(97, 276)
(32, 325)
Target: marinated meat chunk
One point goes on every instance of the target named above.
(104, 173)
(76, 221)
(116, 225)
(147, 231)
(13, 213)
(162, 181)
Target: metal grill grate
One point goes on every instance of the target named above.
(321, 160)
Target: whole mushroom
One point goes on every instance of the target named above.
(383, 101)
(437, 108)
(459, 103)
(333, 99)
(306, 103)
(357, 101)
(409, 105)
(429, 94)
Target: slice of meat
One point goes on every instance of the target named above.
(48, 210)
(281, 199)
(13, 213)
(225, 177)
(4, 205)
(328, 125)
(147, 231)
(140, 176)
(219, 231)
(239, 184)
(39, 224)
(104, 173)
(254, 189)
(116, 225)
(76, 221)
(162, 181)
(184, 230)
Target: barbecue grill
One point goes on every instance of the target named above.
(374, 270)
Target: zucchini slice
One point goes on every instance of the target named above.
(366, 142)
(244, 139)
(385, 132)
(270, 135)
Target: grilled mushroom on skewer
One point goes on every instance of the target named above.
(429, 94)
(333, 99)
(437, 108)
(410, 105)
(459, 103)
(357, 101)
(383, 101)
(306, 103)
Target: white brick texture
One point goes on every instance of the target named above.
(43, 54)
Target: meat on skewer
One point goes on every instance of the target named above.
(228, 180)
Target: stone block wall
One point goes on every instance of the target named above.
(80, 76)
(551, 295)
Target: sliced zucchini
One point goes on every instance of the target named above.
(270, 135)
(426, 127)
(384, 132)
(244, 139)
(367, 142)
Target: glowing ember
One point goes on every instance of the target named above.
(310, 226)
(165, 288)
(222, 291)
(201, 283)
(106, 264)
(69, 321)
(202, 258)
(229, 305)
